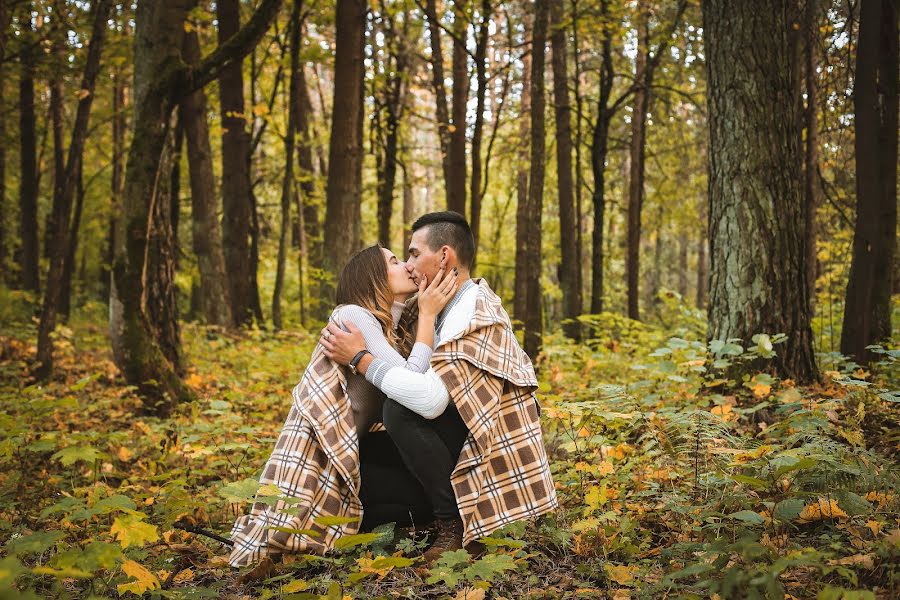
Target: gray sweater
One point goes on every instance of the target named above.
(366, 400)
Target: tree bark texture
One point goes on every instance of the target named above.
(236, 193)
(310, 199)
(287, 185)
(811, 192)
(481, 79)
(440, 93)
(344, 189)
(215, 304)
(4, 28)
(636, 150)
(867, 312)
(570, 262)
(599, 151)
(28, 184)
(456, 192)
(520, 284)
(757, 227)
(534, 326)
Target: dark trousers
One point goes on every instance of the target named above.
(430, 449)
(389, 493)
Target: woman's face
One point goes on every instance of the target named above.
(399, 279)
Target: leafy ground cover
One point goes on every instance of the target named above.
(677, 477)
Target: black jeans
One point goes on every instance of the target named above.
(389, 493)
(430, 449)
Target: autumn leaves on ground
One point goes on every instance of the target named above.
(675, 481)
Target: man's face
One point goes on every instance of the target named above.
(422, 260)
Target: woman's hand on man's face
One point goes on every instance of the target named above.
(434, 295)
(341, 346)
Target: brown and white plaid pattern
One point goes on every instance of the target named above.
(315, 464)
(503, 474)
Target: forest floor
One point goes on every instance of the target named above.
(674, 480)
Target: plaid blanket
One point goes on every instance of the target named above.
(502, 474)
(315, 466)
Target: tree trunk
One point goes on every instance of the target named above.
(636, 154)
(757, 228)
(287, 186)
(570, 262)
(599, 150)
(408, 207)
(28, 183)
(117, 181)
(310, 200)
(57, 117)
(683, 265)
(344, 191)
(237, 204)
(702, 264)
(215, 304)
(812, 193)
(65, 295)
(456, 185)
(440, 93)
(65, 192)
(478, 131)
(534, 326)
(520, 285)
(142, 307)
(867, 312)
(4, 28)
(579, 173)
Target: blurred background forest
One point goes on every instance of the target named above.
(182, 177)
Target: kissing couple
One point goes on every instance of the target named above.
(417, 406)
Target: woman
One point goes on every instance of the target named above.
(371, 294)
(326, 462)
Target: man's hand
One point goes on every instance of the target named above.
(341, 346)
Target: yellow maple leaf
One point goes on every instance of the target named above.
(761, 390)
(144, 579)
(298, 585)
(584, 432)
(194, 380)
(132, 531)
(124, 454)
(606, 467)
(821, 509)
(621, 574)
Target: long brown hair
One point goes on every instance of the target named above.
(364, 282)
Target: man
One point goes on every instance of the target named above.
(468, 428)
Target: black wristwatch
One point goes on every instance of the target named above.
(355, 360)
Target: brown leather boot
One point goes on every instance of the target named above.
(449, 537)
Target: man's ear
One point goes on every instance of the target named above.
(448, 257)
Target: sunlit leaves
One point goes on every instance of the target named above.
(131, 530)
(143, 580)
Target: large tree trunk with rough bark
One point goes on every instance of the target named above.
(64, 193)
(811, 191)
(344, 191)
(28, 183)
(867, 312)
(143, 323)
(757, 227)
(534, 326)
(237, 203)
(570, 262)
(206, 232)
